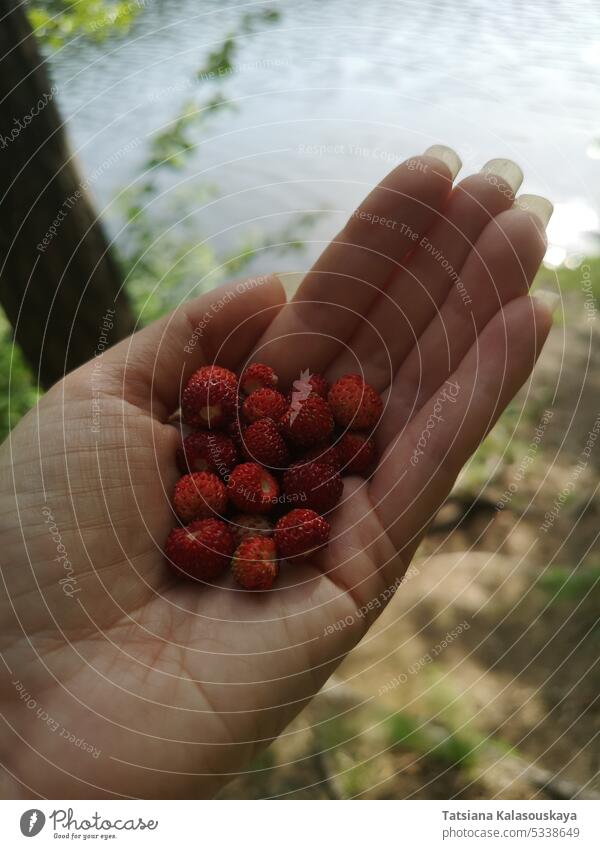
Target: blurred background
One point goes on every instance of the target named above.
(151, 149)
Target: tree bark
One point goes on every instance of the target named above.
(57, 276)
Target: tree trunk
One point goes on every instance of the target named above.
(58, 279)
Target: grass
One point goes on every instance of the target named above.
(447, 747)
(336, 732)
(572, 585)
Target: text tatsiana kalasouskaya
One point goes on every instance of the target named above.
(554, 816)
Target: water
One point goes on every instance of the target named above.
(332, 95)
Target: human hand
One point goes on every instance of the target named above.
(175, 687)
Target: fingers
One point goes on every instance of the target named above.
(221, 326)
(357, 265)
(501, 266)
(414, 293)
(420, 467)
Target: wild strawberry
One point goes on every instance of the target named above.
(221, 373)
(210, 398)
(356, 452)
(265, 445)
(252, 489)
(198, 496)
(317, 485)
(207, 451)
(255, 564)
(250, 525)
(257, 376)
(269, 430)
(301, 532)
(354, 403)
(307, 384)
(319, 384)
(201, 550)
(324, 454)
(264, 403)
(308, 422)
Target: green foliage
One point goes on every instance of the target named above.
(262, 762)
(57, 21)
(220, 61)
(450, 748)
(405, 731)
(507, 443)
(567, 280)
(572, 584)
(335, 732)
(165, 264)
(17, 384)
(169, 148)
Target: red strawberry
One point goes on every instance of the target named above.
(206, 451)
(301, 532)
(255, 564)
(202, 550)
(249, 525)
(265, 445)
(307, 422)
(324, 454)
(356, 452)
(264, 403)
(319, 384)
(198, 496)
(220, 373)
(317, 485)
(256, 376)
(252, 489)
(354, 403)
(210, 398)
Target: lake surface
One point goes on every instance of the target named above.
(332, 95)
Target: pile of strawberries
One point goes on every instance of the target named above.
(262, 470)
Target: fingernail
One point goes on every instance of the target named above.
(549, 299)
(448, 156)
(538, 205)
(506, 170)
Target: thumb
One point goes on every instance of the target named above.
(223, 325)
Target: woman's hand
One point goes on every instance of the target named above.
(120, 679)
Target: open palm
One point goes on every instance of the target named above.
(147, 685)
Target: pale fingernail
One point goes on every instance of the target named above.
(538, 205)
(506, 170)
(549, 299)
(448, 156)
